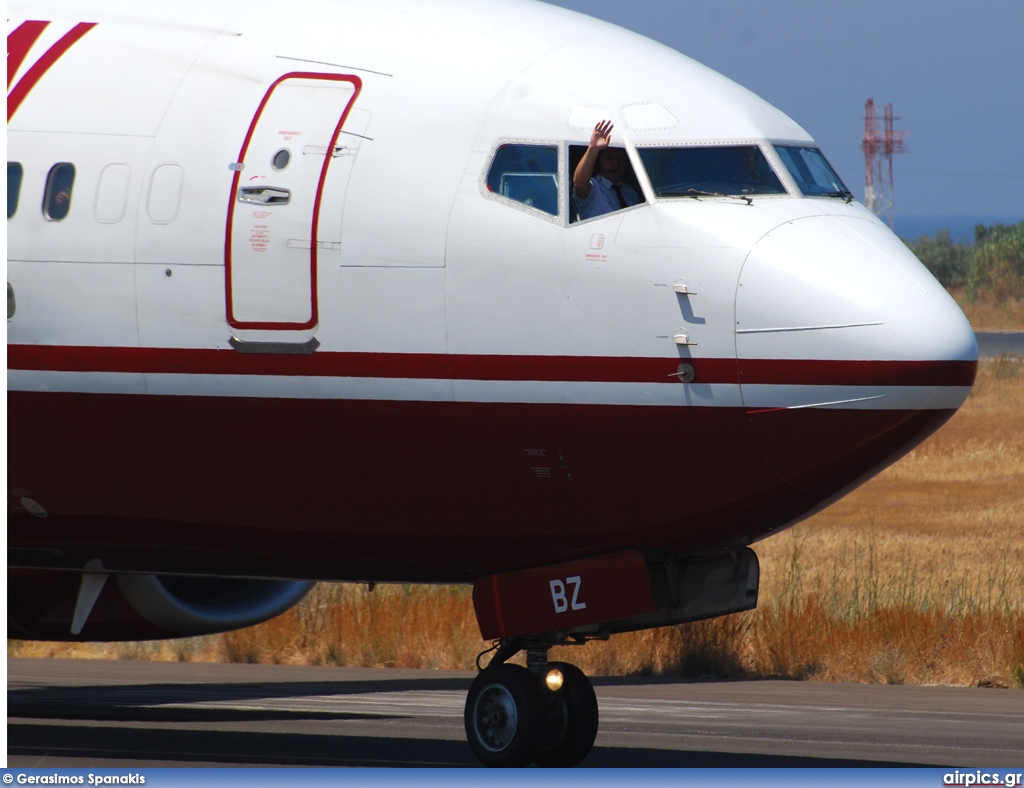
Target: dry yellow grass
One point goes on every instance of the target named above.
(916, 577)
(992, 314)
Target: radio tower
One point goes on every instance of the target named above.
(880, 143)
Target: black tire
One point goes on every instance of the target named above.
(572, 720)
(505, 716)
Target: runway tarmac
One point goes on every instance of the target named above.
(993, 344)
(92, 713)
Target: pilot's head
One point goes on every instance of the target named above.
(613, 164)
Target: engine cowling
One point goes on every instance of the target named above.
(41, 605)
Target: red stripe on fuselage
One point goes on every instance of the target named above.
(41, 66)
(182, 361)
(19, 43)
(807, 372)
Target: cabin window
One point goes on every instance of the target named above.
(526, 174)
(112, 194)
(165, 193)
(812, 172)
(710, 171)
(57, 198)
(14, 175)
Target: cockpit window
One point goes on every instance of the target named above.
(527, 174)
(812, 173)
(710, 171)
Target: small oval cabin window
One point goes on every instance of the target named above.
(57, 198)
(14, 175)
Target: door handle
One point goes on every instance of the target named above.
(264, 195)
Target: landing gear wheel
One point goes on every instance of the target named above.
(505, 716)
(571, 721)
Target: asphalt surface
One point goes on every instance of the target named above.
(993, 344)
(93, 713)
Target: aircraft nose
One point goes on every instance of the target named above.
(835, 289)
(849, 352)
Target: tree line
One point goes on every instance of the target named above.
(992, 266)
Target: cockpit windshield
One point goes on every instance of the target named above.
(710, 171)
(812, 173)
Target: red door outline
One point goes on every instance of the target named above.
(356, 83)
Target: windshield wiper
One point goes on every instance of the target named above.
(845, 194)
(695, 193)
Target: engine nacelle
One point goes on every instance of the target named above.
(41, 605)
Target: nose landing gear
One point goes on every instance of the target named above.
(572, 719)
(545, 713)
(503, 714)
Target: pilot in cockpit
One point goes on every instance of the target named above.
(605, 191)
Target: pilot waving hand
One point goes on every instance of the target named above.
(604, 191)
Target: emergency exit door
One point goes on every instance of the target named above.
(285, 207)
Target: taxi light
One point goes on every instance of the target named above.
(554, 679)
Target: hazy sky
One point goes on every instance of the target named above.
(953, 70)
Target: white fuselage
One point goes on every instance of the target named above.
(289, 204)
